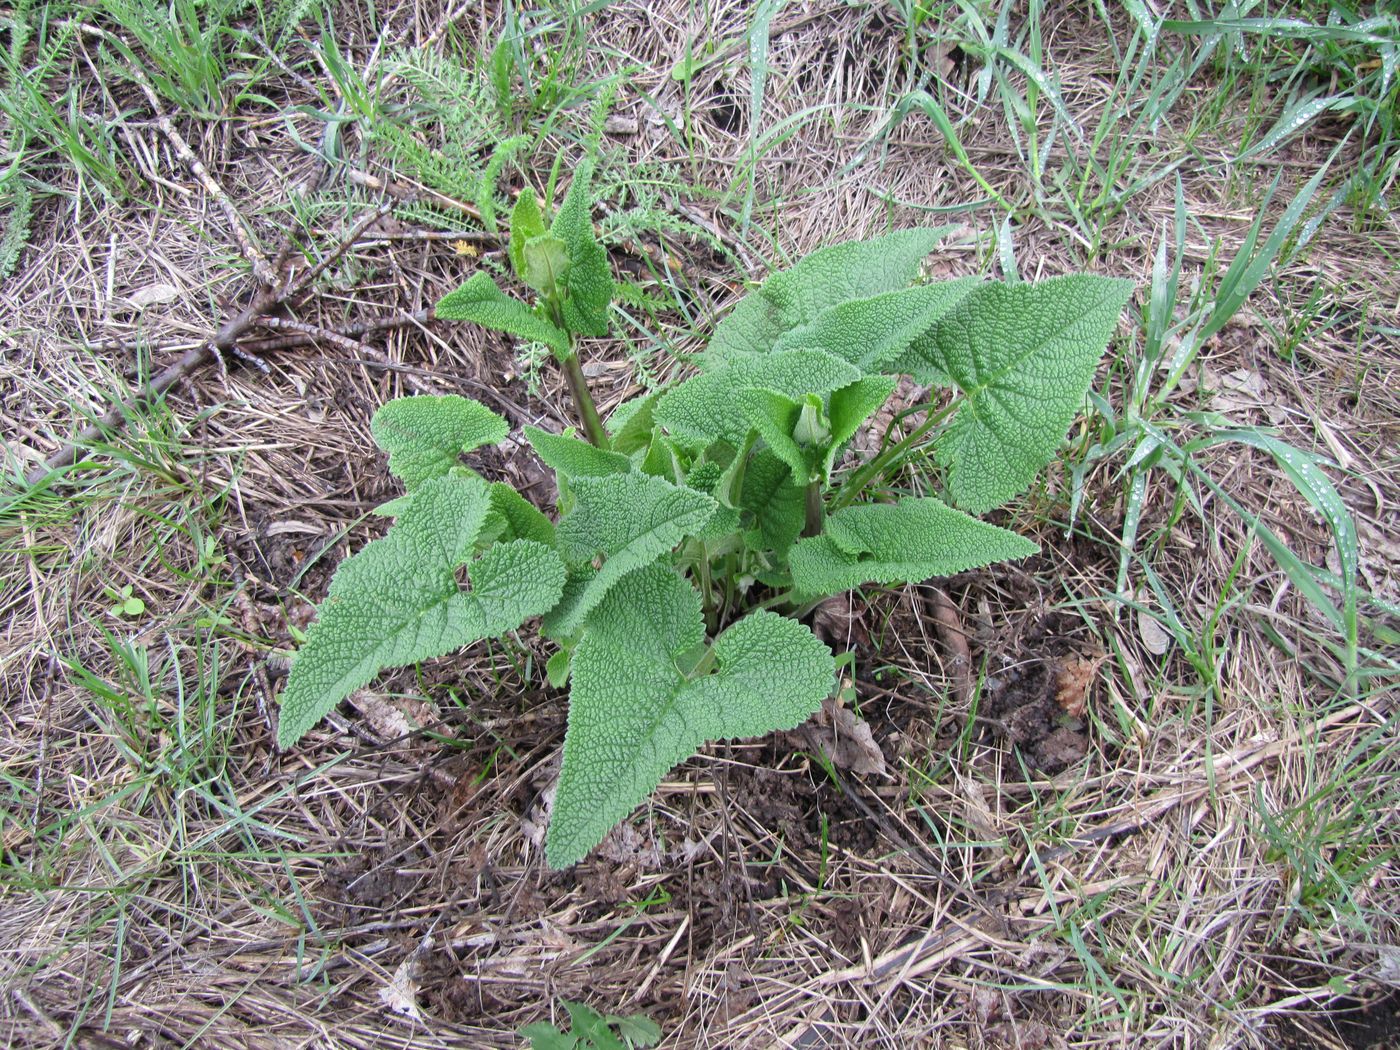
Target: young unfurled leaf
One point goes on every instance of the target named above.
(513, 517)
(481, 301)
(705, 408)
(1023, 354)
(776, 417)
(574, 458)
(619, 524)
(869, 333)
(546, 260)
(633, 715)
(905, 542)
(796, 296)
(590, 276)
(850, 407)
(526, 222)
(397, 601)
(425, 435)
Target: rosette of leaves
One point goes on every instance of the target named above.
(696, 530)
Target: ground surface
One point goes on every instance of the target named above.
(1164, 815)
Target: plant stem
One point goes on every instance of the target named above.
(583, 402)
(816, 512)
(855, 484)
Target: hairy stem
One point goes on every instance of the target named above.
(583, 402)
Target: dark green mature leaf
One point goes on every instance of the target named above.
(425, 435)
(870, 333)
(574, 458)
(481, 301)
(590, 276)
(775, 502)
(796, 296)
(904, 542)
(1023, 355)
(619, 524)
(633, 715)
(397, 601)
(705, 409)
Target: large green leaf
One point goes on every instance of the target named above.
(705, 408)
(796, 296)
(397, 601)
(590, 276)
(773, 502)
(904, 542)
(574, 458)
(869, 333)
(481, 301)
(425, 435)
(633, 714)
(1023, 355)
(618, 524)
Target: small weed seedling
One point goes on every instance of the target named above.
(590, 1030)
(700, 525)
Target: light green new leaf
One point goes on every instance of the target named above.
(869, 333)
(590, 276)
(631, 424)
(775, 416)
(547, 265)
(1023, 355)
(397, 601)
(513, 517)
(574, 458)
(526, 222)
(796, 296)
(904, 542)
(704, 408)
(850, 407)
(618, 524)
(633, 715)
(425, 435)
(481, 301)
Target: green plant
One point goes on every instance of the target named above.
(701, 525)
(590, 1030)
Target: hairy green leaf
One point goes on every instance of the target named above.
(774, 503)
(513, 517)
(1023, 355)
(796, 296)
(397, 601)
(904, 542)
(633, 715)
(547, 265)
(775, 417)
(704, 408)
(481, 301)
(526, 222)
(850, 407)
(870, 333)
(632, 423)
(574, 458)
(618, 524)
(425, 435)
(590, 276)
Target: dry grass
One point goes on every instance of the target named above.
(1216, 865)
